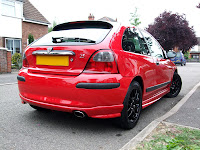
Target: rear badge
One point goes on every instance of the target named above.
(49, 49)
(82, 56)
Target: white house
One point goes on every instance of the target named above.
(18, 19)
(11, 15)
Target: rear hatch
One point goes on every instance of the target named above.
(67, 49)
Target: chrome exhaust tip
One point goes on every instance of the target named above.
(79, 114)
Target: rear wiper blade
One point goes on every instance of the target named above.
(64, 39)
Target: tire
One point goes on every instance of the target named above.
(132, 106)
(38, 108)
(175, 87)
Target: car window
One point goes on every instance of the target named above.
(133, 41)
(178, 55)
(154, 46)
(75, 36)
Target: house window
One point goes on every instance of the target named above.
(8, 8)
(14, 45)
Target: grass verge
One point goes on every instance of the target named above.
(171, 137)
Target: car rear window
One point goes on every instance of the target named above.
(82, 36)
(178, 55)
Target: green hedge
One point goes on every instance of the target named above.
(16, 61)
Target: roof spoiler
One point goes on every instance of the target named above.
(83, 24)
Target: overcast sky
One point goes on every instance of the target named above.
(65, 10)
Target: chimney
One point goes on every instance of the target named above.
(91, 17)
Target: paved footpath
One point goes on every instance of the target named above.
(189, 113)
(186, 113)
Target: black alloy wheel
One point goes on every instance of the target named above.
(132, 106)
(175, 87)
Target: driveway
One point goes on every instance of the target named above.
(21, 127)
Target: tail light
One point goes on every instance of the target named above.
(103, 61)
(25, 61)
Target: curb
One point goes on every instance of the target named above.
(148, 129)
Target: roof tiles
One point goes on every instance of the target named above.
(107, 19)
(32, 14)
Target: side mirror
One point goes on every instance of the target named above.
(171, 54)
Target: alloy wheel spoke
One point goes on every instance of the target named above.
(130, 114)
(133, 106)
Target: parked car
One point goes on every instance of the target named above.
(97, 69)
(179, 59)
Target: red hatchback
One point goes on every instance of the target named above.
(97, 69)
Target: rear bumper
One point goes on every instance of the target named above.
(98, 95)
(102, 112)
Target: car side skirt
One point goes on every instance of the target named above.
(155, 98)
(149, 89)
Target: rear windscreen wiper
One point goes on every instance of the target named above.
(64, 39)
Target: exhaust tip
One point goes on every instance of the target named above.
(79, 114)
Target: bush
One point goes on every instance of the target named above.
(16, 61)
(30, 38)
(186, 55)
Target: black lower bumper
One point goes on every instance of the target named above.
(21, 78)
(98, 85)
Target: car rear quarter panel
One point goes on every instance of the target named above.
(134, 65)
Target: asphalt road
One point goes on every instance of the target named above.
(21, 127)
(8, 78)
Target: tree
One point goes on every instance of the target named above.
(134, 18)
(30, 38)
(172, 31)
(51, 27)
(198, 6)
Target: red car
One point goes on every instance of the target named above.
(97, 69)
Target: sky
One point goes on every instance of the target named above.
(73, 10)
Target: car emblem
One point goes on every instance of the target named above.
(49, 49)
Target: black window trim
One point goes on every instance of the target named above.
(142, 36)
(141, 30)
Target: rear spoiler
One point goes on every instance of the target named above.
(83, 24)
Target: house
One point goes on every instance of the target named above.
(195, 54)
(91, 17)
(19, 18)
(11, 16)
(33, 23)
(107, 19)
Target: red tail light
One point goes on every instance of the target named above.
(25, 61)
(103, 61)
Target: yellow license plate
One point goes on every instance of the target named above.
(52, 60)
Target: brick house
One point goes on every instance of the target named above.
(33, 23)
(196, 54)
(18, 19)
